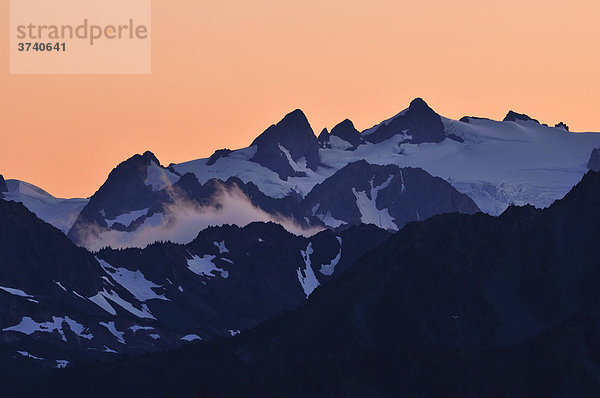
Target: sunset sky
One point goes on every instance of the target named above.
(222, 72)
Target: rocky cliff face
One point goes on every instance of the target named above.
(291, 140)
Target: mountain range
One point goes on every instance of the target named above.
(457, 305)
(459, 247)
(495, 163)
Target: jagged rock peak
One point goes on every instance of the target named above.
(346, 131)
(293, 125)
(512, 116)
(293, 137)
(419, 123)
(145, 158)
(418, 104)
(324, 135)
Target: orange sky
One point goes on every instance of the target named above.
(223, 71)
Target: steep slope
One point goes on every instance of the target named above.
(594, 162)
(59, 212)
(59, 302)
(287, 143)
(386, 196)
(458, 305)
(418, 124)
(133, 190)
(3, 187)
(231, 278)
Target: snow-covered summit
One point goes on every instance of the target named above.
(61, 213)
(496, 163)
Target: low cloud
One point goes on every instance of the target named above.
(184, 219)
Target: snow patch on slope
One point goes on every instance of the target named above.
(133, 281)
(191, 337)
(370, 214)
(28, 326)
(28, 355)
(128, 218)
(18, 293)
(204, 266)
(113, 330)
(100, 300)
(159, 178)
(60, 213)
(524, 162)
(329, 269)
(306, 276)
(221, 246)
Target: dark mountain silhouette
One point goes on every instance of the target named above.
(50, 294)
(323, 138)
(458, 305)
(294, 134)
(61, 303)
(219, 153)
(512, 116)
(347, 132)
(3, 187)
(419, 123)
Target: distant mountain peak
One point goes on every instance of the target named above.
(133, 185)
(296, 116)
(292, 137)
(146, 158)
(418, 104)
(562, 125)
(324, 133)
(294, 123)
(344, 124)
(324, 138)
(513, 116)
(346, 131)
(419, 123)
